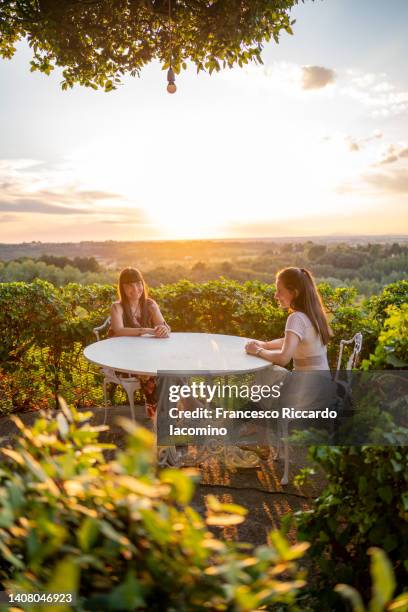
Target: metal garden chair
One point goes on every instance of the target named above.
(356, 342)
(129, 383)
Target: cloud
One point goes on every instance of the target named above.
(20, 163)
(38, 206)
(395, 182)
(317, 77)
(356, 144)
(392, 154)
(138, 218)
(353, 143)
(73, 195)
(28, 186)
(375, 92)
(8, 218)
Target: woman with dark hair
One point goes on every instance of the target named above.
(307, 331)
(135, 314)
(307, 334)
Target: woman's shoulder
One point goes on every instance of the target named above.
(299, 316)
(151, 304)
(298, 322)
(117, 306)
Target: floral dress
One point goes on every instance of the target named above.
(148, 384)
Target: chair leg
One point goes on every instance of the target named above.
(130, 394)
(285, 431)
(285, 477)
(105, 393)
(105, 400)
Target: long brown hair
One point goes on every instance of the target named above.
(307, 299)
(132, 275)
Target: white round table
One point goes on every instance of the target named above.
(187, 352)
(192, 353)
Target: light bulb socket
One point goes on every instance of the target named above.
(171, 77)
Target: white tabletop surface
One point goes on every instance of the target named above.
(190, 352)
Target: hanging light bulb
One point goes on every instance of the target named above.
(171, 77)
(171, 87)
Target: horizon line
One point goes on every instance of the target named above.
(302, 237)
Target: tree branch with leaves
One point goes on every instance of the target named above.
(97, 42)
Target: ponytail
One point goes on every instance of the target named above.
(307, 299)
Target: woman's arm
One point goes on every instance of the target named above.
(119, 329)
(269, 344)
(161, 328)
(279, 357)
(273, 344)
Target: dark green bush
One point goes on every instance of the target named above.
(382, 589)
(222, 307)
(44, 329)
(122, 536)
(365, 503)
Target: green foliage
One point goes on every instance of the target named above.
(98, 42)
(303, 476)
(44, 329)
(56, 270)
(83, 264)
(346, 321)
(365, 503)
(166, 262)
(394, 294)
(122, 536)
(392, 345)
(223, 307)
(383, 587)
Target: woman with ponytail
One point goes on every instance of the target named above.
(307, 331)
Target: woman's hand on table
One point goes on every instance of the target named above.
(161, 331)
(253, 346)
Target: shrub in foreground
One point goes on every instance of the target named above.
(364, 504)
(382, 589)
(121, 535)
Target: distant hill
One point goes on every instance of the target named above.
(116, 254)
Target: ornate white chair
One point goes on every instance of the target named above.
(129, 383)
(357, 342)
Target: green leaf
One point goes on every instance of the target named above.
(383, 579)
(182, 484)
(128, 595)
(393, 360)
(400, 603)
(386, 493)
(65, 579)
(88, 533)
(10, 557)
(352, 595)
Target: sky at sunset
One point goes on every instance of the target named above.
(314, 142)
